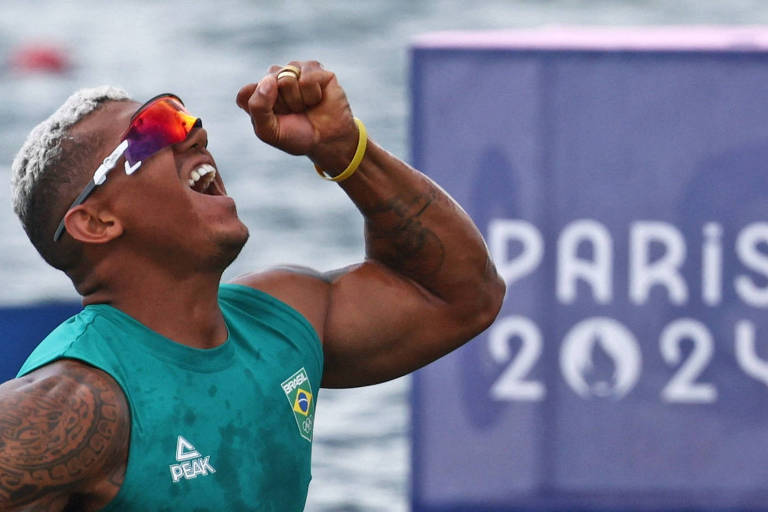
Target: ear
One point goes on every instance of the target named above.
(90, 225)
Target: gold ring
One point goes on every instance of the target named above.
(289, 70)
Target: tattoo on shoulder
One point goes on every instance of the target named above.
(58, 431)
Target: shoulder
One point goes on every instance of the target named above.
(64, 428)
(304, 289)
(67, 377)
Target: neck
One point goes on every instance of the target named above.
(180, 306)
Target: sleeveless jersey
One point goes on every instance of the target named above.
(228, 428)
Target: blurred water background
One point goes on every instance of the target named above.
(204, 52)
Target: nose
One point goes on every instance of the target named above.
(197, 139)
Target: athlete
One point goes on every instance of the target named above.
(172, 391)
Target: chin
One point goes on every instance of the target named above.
(230, 245)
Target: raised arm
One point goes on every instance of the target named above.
(64, 432)
(427, 284)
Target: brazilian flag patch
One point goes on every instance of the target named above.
(298, 390)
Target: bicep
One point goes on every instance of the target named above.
(381, 326)
(374, 323)
(60, 427)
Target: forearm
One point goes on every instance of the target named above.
(420, 236)
(416, 229)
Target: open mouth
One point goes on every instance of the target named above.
(203, 180)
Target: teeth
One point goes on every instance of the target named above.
(205, 170)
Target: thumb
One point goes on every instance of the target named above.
(260, 106)
(243, 94)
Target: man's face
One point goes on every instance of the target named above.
(171, 208)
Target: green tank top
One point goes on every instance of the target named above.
(223, 429)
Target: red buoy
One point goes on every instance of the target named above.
(40, 57)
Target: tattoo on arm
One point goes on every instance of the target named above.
(58, 432)
(397, 236)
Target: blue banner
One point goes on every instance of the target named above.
(623, 193)
(23, 327)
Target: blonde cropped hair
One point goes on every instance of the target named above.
(50, 162)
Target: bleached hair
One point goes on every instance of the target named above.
(43, 144)
(51, 167)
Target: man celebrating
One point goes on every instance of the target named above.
(172, 391)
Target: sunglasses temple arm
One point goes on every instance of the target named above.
(98, 178)
(78, 200)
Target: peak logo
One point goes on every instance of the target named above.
(191, 463)
(600, 358)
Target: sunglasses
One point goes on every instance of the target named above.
(159, 123)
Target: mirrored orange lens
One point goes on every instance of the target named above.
(157, 125)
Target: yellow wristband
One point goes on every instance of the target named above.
(362, 143)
